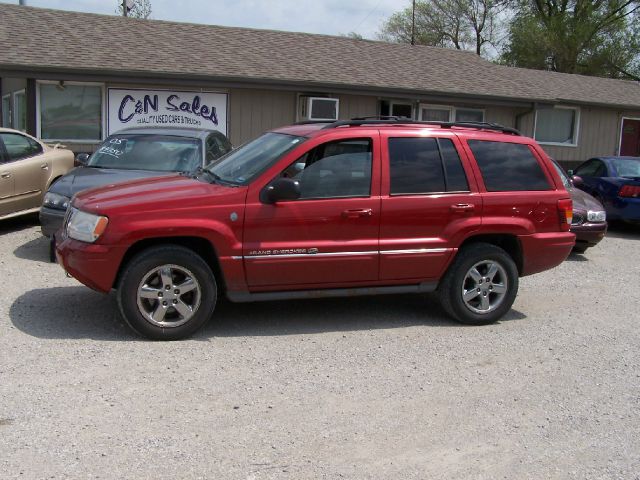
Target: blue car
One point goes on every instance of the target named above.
(615, 181)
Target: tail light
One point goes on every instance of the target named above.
(565, 211)
(629, 191)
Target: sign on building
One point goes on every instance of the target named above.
(166, 108)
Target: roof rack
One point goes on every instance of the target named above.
(386, 120)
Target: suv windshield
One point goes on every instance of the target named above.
(242, 165)
(148, 152)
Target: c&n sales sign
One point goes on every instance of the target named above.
(166, 108)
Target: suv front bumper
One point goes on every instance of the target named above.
(92, 264)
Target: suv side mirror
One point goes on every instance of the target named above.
(81, 159)
(280, 189)
(576, 180)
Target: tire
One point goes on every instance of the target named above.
(159, 313)
(489, 303)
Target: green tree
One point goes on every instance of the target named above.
(137, 9)
(460, 24)
(590, 37)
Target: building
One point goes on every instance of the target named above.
(76, 77)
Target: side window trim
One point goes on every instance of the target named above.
(313, 150)
(446, 191)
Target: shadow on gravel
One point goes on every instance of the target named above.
(577, 257)
(623, 230)
(77, 312)
(68, 312)
(36, 250)
(18, 223)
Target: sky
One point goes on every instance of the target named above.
(332, 17)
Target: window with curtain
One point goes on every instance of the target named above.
(431, 114)
(469, 115)
(71, 112)
(556, 125)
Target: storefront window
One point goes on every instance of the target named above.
(20, 111)
(70, 112)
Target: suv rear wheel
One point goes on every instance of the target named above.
(167, 292)
(480, 286)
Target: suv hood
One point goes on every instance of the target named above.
(167, 193)
(82, 178)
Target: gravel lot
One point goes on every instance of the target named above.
(383, 387)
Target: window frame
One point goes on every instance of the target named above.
(482, 110)
(442, 165)
(342, 197)
(14, 112)
(8, 97)
(576, 127)
(406, 104)
(453, 110)
(103, 112)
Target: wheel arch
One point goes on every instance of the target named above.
(509, 243)
(199, 245)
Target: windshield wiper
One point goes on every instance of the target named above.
(216, 178)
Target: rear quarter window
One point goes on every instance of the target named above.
(508, 166)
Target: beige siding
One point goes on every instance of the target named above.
(352, 106)
(504, 116)
(10, 85)
(598, 134)
(252, 112)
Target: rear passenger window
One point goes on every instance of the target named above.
(425, 165)
(508, 166)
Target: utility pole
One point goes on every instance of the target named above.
(23, 3)
(413, 23)
(124, 8)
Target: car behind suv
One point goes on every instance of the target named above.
(131, 154)
(347, 208)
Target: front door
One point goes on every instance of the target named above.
(630, 138)
(329, 236)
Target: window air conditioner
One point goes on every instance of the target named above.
(318, 108)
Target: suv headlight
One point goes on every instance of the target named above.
(54, 200)
(84, 226)
(597, 216)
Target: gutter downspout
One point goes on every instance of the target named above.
(520, 116)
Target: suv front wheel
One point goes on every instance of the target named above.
(167, 292)
(480, 286)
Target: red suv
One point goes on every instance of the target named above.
(355, 207)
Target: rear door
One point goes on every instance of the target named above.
(429, 203)
(329, 236)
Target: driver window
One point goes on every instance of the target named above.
(334, 170)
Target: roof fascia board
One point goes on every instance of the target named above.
(200, 81)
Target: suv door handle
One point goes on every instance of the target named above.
(5, 174)
(359, 212)
(463, 207)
